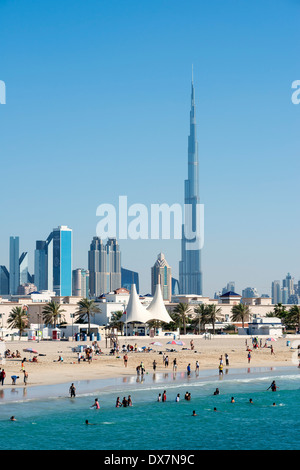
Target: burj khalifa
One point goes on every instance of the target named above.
(190, 274)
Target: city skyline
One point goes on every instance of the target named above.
(63, 117)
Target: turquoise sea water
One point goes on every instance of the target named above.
(47, 419)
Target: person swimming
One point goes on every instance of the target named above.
(118, 403)
(217, 392)
(232, 400)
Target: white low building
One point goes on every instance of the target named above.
(263, 326)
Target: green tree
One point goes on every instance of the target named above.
(212, 315)
(200, 316)
(240, 312)
(18, 319)
(115, 320)
(181, 314)
(53, 313)
(86, 309)
(293, 316)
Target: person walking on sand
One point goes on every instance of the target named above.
(249, 357)
(25, 379)
(125, 358)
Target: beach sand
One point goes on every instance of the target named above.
(48, 371)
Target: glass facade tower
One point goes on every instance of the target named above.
(190, 274)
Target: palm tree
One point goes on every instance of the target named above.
(18, 319)
(86, 309)
(181, 311)
(115, 320)
(294, 315)
(212, 315)
(52, 312)
(240, 312)
(200, 315)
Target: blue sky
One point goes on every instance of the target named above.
(98, 96)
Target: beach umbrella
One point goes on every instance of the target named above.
(157, 343)
(271, 339)
(30, 350)
(178, 343)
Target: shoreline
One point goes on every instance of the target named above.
(47, 376)
(118, 384)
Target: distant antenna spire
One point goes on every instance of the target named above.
(192, 73)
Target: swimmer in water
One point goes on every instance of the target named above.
(194, 413)
(232, 400)
(96, 404)
(118, 403)
(12, 418)
(217, 392)
(250, 401)
(273, 386)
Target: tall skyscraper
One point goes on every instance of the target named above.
(114, 263)
(4, 281)
(14, 267)
(128, 278)
(161, 274)
(190, 274)
(97, 265)
(104, 264)
(23, 266)
(276, 293)
(62, 261)
(41, 265)
(288, 282)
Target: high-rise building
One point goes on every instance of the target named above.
(161, 274)
(128, 278)
(276, 293)
(23, 266)
(97, 265)
(41, 265)
(80, 283)
(288, 282)
(190, 274)
(62, 261)
(14, 267)
(249, 292)
(114, 263)
(4, 281)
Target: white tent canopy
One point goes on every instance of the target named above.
(157, 309)
(135, 311)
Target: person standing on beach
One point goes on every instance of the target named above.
(249, 357)
(227, 359)
(188, 370)
(154, 365)
(2, 376)
(25, 379)
(175, 364)
(167, 361)
(197, 367)
(125, 358)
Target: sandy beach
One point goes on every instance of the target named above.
(208, 352)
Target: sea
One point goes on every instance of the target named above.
(48, 419)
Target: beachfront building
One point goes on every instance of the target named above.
(263, 326)
(4, 281)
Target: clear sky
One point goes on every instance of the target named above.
(98, 97)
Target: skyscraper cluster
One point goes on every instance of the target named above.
(104, 265)
(286, 292)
